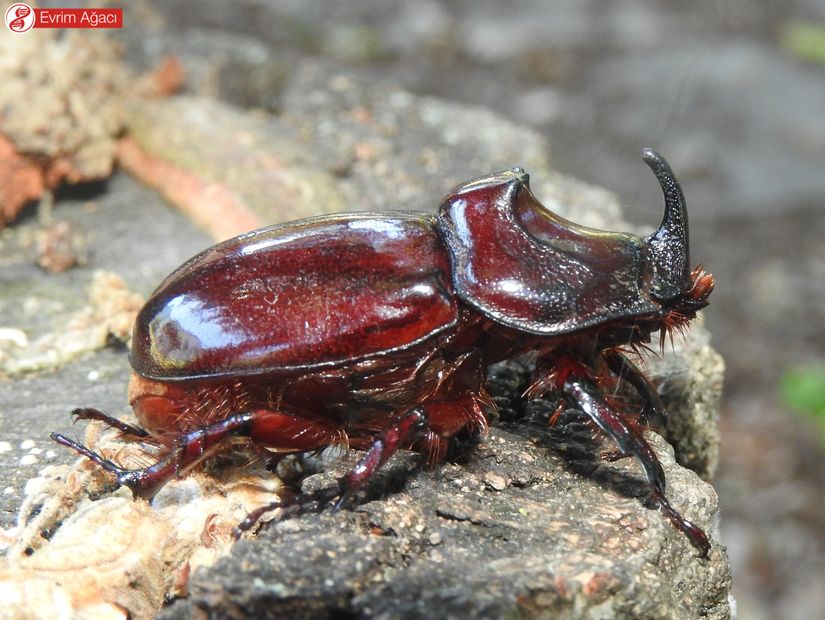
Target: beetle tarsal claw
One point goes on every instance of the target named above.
(341, 498)
(253, 517)
(694, 533)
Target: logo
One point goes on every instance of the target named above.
(20, 17)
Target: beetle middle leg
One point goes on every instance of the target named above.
(454, 403)
(426, 428)
(405, 430)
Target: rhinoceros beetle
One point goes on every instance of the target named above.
(373, 330)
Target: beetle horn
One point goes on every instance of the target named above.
(667, 248)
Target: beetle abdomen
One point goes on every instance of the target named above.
(317, 292)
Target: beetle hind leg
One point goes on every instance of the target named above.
(188, 450)
(96, 458)
(587, 398)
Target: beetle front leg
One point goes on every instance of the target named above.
(587, 398)
(654, 411)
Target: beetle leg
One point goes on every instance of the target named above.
(188, 450)
(630, 440)
(88, 413)
(446, 418)
(92, 456)
(654, 411)
(401, 434)
(289, 506)
(267, 428)
(455, 403)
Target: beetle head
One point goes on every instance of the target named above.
(680, 290)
